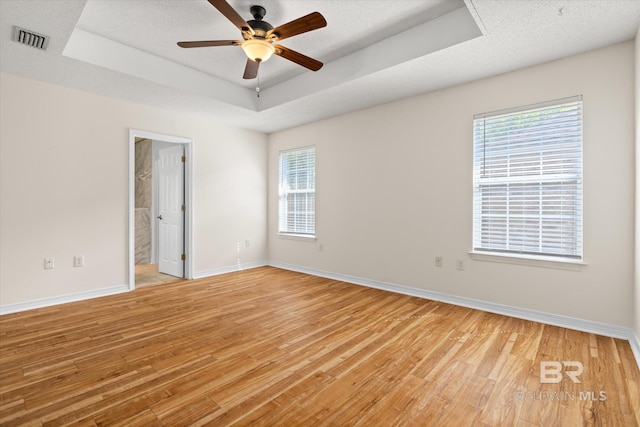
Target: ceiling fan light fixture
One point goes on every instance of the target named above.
(260, 38)
(258, 49)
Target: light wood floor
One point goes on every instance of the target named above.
(148, 274)
(273, 347)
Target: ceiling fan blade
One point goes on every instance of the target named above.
(208, 43)
(298, 58)
(251, 69)
(309, 22)
(231, 14)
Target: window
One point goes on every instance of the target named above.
(297, 191)
(527, 197)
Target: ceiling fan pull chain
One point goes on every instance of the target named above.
(258, 88)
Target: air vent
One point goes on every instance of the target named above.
(30, 38)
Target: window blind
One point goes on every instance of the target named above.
(297, 192)
(528, 180)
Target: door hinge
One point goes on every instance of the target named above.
(184, 159)
(183, 257)
(184, 208)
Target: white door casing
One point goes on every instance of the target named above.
(170, 210)
(187, 143)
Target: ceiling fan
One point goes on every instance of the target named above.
(260, 37)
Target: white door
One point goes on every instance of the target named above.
(170, 213)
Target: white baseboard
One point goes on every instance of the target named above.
(583, 325)
(62, 299)
(521, 313)
(229, 269)
(635, 347)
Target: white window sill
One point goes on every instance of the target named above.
(531, 260)
(299, 237)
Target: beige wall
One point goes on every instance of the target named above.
(636, 324)
(64, 189)
(394, 190)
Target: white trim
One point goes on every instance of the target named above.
(583, 325)
(113, 290)
(536, 106)
(62, 299)
(535, 261)
(188, 197)
(634, 342)
(521, 313)
(300, 237)
(229, 269)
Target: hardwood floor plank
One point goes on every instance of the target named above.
(127, 410)
(274, 347)
(145, 418)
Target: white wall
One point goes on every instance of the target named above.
(636, 324)
(64, 189)
(394, 190)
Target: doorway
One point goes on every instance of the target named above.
(159, 216)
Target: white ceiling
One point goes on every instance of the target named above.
(374, 51)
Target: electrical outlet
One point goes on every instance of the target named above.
(48, 263)
(78, 261)
(438, 261)
(247, 243)
(321, 247)
(459, 264)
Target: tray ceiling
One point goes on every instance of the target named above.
(374, 52)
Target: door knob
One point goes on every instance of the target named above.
(159, 216)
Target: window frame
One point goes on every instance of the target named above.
(490, 252)
(284, 214)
